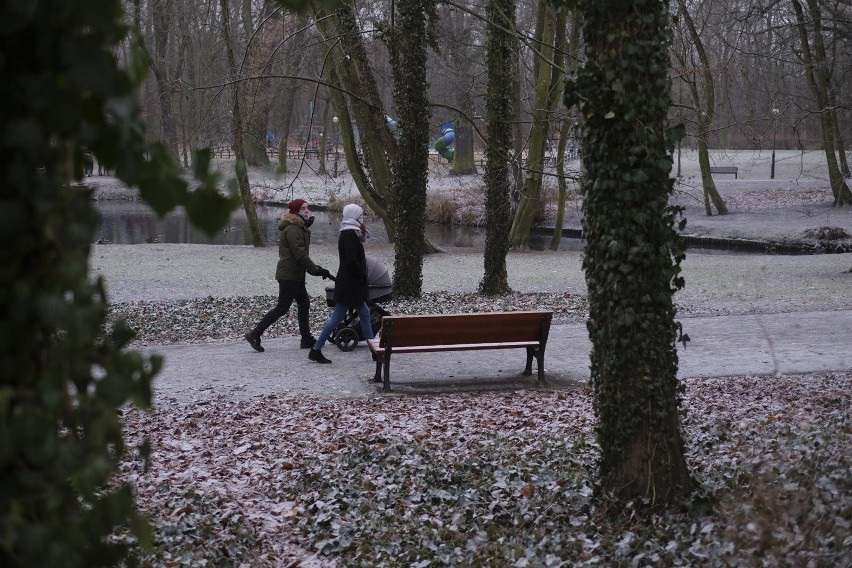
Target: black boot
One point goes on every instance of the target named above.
(254, 341)
(317, 356)
(308, 342)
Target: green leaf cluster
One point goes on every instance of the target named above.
(64, 96)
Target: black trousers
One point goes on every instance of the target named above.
(289, 290)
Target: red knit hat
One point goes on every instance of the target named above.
(296, 205)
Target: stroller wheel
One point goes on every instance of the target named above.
(346, 339)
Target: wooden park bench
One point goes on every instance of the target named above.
(725, 170)
(461, 332)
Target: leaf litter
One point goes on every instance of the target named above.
(492, 479)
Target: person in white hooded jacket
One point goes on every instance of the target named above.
(350, 285)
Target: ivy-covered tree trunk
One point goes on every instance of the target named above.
(64, 375)
(499, 108)
(633, 252)
(408, 49)
(257, 237)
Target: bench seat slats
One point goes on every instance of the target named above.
(453, 347)
(461, 332)
(452, 329)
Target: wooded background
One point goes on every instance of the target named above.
(750, 53)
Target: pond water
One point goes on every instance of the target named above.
(133, 222)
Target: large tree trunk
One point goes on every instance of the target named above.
(257, 237)
(408, 49)
(633, 253)
(550, 32)
(499, 108)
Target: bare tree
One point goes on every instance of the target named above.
(548, 48)
(257, 237)
(819, 69)
(351, 74)
(158, 60)
(697, 71)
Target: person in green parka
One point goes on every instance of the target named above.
(294, 262)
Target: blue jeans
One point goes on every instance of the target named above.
(337, 316)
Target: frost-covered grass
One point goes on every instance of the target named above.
(495, 479)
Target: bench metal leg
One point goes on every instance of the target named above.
(386, 372)
(530, 355)
(377, 378)
(540, 361)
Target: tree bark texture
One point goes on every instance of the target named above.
(409, 45)
(633, 253)
(499, 109)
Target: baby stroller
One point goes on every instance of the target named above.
(348, 333)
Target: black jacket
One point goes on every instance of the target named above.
(350, 288)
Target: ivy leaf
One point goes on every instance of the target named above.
(209, 210)
(609, 115)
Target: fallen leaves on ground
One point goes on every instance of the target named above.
(492, 479)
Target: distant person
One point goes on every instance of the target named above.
(88, 163)
(293, 262)
(350, 285)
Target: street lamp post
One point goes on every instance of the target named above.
(335, 120)
(775, 113)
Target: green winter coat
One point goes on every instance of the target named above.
(293, 248)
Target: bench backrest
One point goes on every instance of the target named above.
(451, 329)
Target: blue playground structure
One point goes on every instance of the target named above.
(445, 141)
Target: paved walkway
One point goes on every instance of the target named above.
(720, 346)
